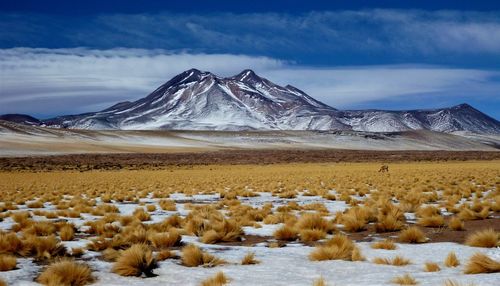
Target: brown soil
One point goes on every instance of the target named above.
(434, 234)
(86, 162)
(442, 234)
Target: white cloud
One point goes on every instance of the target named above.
(348, 86)
(64, 81)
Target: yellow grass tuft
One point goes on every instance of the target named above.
(66, 273)
(456, 224)
(339, 247)
(319, 282)
(141, 214)
(431, 267)
(286, 232)
(10, 243)
(43, 247)
(314, 221)
(193, 256)
(167, 205)
(166, 239)
(483, 238)
(110, 254)
(384, 244)
(7, 262)
(77, 251)
(218, 280)
(431, 221)
(451, 260)
(249, 259)
(309, 235)
(164, 255)
(412, 235)
(396, 261)
(67, 232)
(134, 261)
(404, 280)
(481, 263)
(353, 221)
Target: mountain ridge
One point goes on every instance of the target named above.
(201, 100)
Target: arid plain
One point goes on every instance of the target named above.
(124, 219)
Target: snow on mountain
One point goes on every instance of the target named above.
(196, 100)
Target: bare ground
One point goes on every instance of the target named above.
(85, 162)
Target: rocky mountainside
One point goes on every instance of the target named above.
(196, 100)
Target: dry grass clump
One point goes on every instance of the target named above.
(431, 267)
(43, 247)
(10, 243)
(339, 247)
(451, 260)
(390, 218)
(77, 251)
(396, 261)
(319, 282)
(286, 232)
(355, 219)
(226, 230)
(7, 262)
(110, 254)
(66, 273)
(384, 244)
(314, 221)
(164, 254)
(431, 221)
(193, 256)
(481, 263)
(412, 235)
(456, 224)
(427, 211)
(67, 232)
(35, 205)
(404, 280)
(134, 261)
(166, 239)
(218, 280)
(310, 235)
(141, 214)
(167, 205)
(483, 238)
(249, 259)
(468, 214)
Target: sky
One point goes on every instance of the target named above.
(68, 57)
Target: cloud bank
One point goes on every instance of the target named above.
(49, 82)
(463, 38)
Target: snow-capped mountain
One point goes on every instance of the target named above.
(196, 100)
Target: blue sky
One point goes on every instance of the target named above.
(59, 57)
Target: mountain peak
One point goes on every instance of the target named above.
(247, 75)
(463, 106)
(188, 76)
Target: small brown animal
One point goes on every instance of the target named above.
(384, 168)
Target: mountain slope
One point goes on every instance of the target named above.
(461, 117)
(203, 101)
(20, 118)
(195, 100)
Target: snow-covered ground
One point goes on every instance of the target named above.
(287, 265)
